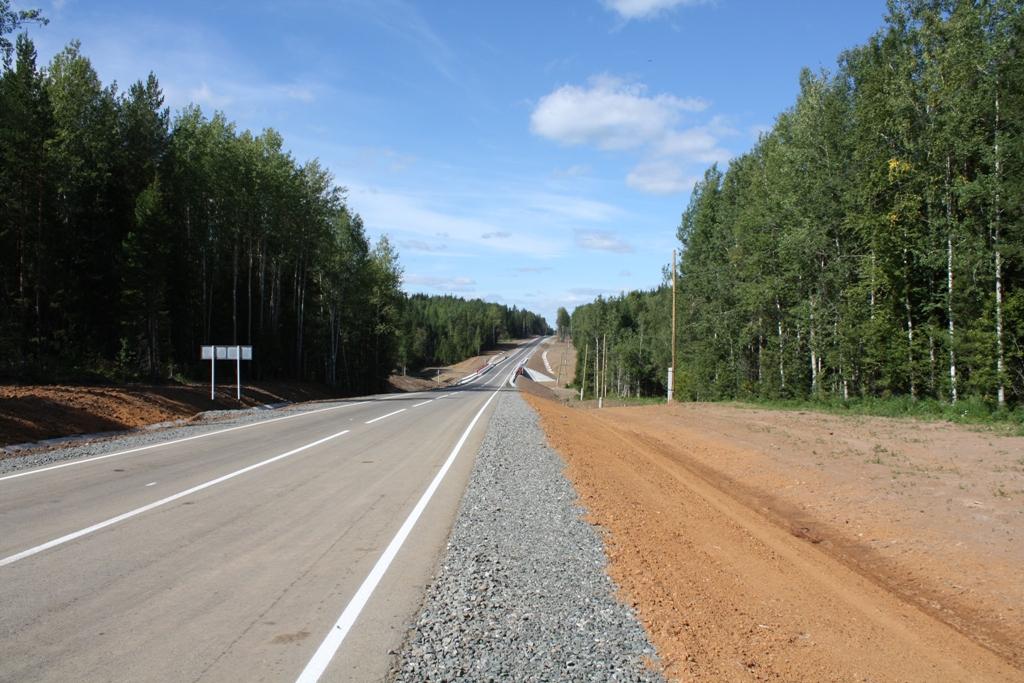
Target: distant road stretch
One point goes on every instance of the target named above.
(295, 548)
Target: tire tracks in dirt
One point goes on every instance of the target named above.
(733, 586)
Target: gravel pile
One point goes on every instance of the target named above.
(58, 450)
(522, 593)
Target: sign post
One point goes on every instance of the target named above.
(235, 353)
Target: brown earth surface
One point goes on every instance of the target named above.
(772, 545)
(561, 357)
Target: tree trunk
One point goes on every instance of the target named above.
(782, 348)
(814, 358)
(910, 325)
(996, 218)
(949, 285)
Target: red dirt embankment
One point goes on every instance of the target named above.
(32, 413)
(763, 545)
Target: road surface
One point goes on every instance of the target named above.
(288, 549)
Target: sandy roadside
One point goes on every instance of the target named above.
(793, 547)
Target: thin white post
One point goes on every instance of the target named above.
(672, 370)
(213, 374)
(238, 371)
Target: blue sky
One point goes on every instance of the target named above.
(531, 153)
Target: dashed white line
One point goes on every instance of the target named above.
(424, 403)
(176, 441)
(163, 501)
(370, 422)
(152, 483)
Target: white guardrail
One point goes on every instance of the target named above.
(482, 371)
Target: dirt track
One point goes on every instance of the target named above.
(759, 545)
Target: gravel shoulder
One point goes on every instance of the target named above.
(522, 592)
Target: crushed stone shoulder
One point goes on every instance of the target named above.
(522, 593)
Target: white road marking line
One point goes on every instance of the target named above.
(424, 403)
(177, 441)
(544, 356)
(152, 483)
(329, 647)
(370, 422)
(163, 501)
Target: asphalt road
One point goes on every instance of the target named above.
(291, 549)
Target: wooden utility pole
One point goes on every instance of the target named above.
(597, 369)
(604, 372)
(672, 370)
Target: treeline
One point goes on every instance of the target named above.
(130, 237)
(871, 244)
(626, 341)
(447, 329)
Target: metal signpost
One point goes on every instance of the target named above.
(235, 353)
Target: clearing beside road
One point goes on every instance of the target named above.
(760, 545)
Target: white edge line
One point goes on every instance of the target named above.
(336, 636)
(163, 501)
(176, 441)
(424, 403)
(370, 422)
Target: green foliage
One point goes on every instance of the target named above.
(447, 329)
(634, 329)
(871, 245)
(563, 322)
(10, 21)
(970, 411)
(128, 239)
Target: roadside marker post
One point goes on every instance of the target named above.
(235, 353)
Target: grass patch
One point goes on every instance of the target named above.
(971, 411)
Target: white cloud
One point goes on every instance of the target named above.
(573, 208)
(405, 22)
(661, 176)
(498, 235)
(441, 284)
(601, 240)
(645, 9)
(613, 114)
(412, 217)
(695, 145)
(609, 113)
(574, 171)
(420, 245)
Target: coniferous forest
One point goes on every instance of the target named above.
(870, 245)
(129, 237)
